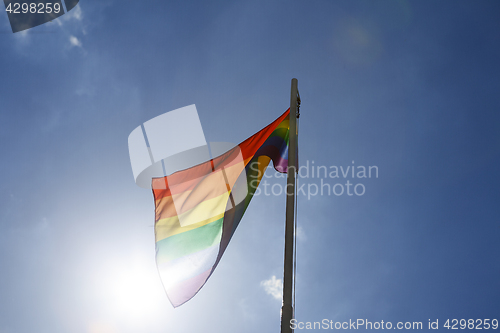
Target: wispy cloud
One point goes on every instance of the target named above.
(75, 41)
(273, 287)
(76, 13)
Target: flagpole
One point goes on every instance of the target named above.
(287, 308)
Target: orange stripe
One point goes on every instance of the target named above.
(214, 180)
(188, 177)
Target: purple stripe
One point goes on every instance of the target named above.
(280, 164)
(277, 142)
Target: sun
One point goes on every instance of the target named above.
(132, 290)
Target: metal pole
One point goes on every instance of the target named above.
(287, 309)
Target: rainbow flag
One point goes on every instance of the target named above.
(198, 209)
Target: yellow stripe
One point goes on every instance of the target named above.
(262, 163)
(205, 210)
(170, 226)
(204, 213)
(284, 124)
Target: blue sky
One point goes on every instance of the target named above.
(408, 86)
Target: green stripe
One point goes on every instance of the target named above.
(281, 132)
(188, 242)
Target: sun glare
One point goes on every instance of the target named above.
(133, 291)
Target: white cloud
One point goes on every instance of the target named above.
(273, 287)
(77, 13)
(73, 15)
(74, 41)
